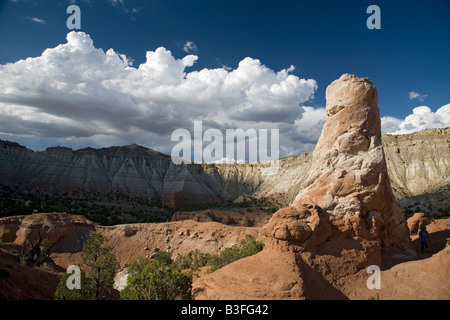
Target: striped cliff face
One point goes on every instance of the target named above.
(418, 164)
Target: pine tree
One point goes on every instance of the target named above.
(100, 265)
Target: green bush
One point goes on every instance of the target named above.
(136, 267)
(101, 266)
(85, 293)
(164, 257)
(376, 296)
(248, 247)
(166, 279)
(193, 260)
(196, 259)
(160, 280)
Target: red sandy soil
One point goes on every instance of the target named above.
(426, 277)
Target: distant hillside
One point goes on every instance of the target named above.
(418, 166)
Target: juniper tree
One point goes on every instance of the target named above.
(100, 265)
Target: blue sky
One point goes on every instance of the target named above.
(408, 59)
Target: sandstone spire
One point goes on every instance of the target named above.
(344, 219)
(348, 180)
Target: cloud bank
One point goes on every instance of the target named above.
(422, 118)
(78, 95)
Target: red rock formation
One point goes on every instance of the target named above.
(416, 221)
(341, 222)
(348, 185)
(257, 218)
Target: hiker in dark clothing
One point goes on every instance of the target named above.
(424, 239)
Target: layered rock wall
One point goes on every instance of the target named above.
(417, 164)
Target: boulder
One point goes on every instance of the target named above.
(416, 221)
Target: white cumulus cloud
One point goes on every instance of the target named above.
(422, 118)
(190, 47)
(78, 95)
(415, 95)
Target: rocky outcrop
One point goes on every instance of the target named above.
(418, 163)
(348, 179)
(426, 278)
(276, 273)
(416, 221)
(343, 220)
(59, 229)
(67, 233)
(233, 218)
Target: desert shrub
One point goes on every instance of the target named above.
(225, 257)
(168, 279)
(193, 260)
(164, 257)
(46, 248)
(196, 259)
(85, 293)
(376, 296)
(161, 279)
(22, 259)
(136, 266)
(273, 209)
(247, 247)
(35, 252)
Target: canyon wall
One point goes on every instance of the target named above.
(418, 164)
